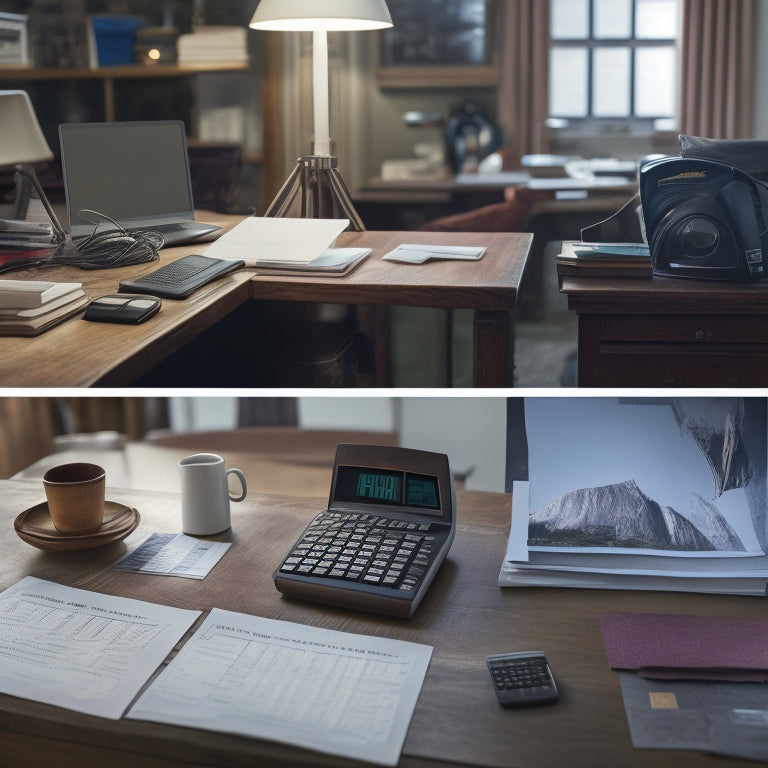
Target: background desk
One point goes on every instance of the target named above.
(77, 354)
(464, 617)
(664, 332)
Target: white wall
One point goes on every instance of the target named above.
(349, 412)
(471, 429)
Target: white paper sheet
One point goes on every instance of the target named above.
(82, 650)
(333, 692)
(174, 554)
(259, 239)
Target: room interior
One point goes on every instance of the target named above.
(247, 124)
(284, 444)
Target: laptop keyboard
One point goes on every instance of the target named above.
(174, 226)
(363, 548)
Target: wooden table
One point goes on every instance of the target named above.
(668, 332)
(80, 354)
(465, 616)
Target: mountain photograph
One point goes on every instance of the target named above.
(662, 474)
(621, 515)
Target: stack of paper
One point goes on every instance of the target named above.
(642, 493)
(25, 243)
(289, 246)
(29, 307)
(214, 43)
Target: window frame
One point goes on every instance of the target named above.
(631, 122)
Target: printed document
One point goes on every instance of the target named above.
(333, 692)
(82, 650)
(174, 554)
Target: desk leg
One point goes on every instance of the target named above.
(493, 349)
(589, 351)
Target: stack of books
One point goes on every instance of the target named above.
(642, 493)
(212, 43)
(603, 259)
(29, 307)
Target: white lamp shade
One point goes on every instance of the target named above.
(23, 139)
(318, 15)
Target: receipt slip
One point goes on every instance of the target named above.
(412, 253)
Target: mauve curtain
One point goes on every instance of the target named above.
(523, 105)
(716, 68)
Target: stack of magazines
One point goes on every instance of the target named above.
(658, 493)
(29, 307)
(586, 259)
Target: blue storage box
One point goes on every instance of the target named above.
(115, 38)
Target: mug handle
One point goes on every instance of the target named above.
(243, 486)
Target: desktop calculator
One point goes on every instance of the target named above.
(390, 521)
(522, 679)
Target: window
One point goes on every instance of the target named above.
(614, 60)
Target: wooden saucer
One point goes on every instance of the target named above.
(35, 526)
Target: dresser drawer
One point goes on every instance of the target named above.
(699, 329)
(683, 365)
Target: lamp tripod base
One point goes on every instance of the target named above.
(316, 190)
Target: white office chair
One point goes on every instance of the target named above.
(23, 142)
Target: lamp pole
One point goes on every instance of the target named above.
(320, 97)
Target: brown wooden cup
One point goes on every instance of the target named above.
(75, 494)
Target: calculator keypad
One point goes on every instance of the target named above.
(364, 548)
(528, 673)
(521, 679)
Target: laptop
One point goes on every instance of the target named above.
(137, 173)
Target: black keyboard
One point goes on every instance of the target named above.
(180, 278)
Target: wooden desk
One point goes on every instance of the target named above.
(668, 332)
(488, 287)
(80, 354)
(465, 616)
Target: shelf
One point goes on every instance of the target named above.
(122, 72)
(108, 75)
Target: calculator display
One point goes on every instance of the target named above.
(381, 486)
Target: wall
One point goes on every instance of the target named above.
(372, 130)
(471, 429)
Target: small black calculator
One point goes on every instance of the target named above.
(522, 679)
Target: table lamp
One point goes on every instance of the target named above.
(23, 143)
(316, 183)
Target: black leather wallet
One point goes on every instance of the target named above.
(125, 308)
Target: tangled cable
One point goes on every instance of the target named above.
(110, 247)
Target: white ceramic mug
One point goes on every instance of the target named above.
(205, 494)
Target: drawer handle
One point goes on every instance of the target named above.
(699, 335)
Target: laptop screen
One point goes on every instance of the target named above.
(128, 171)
